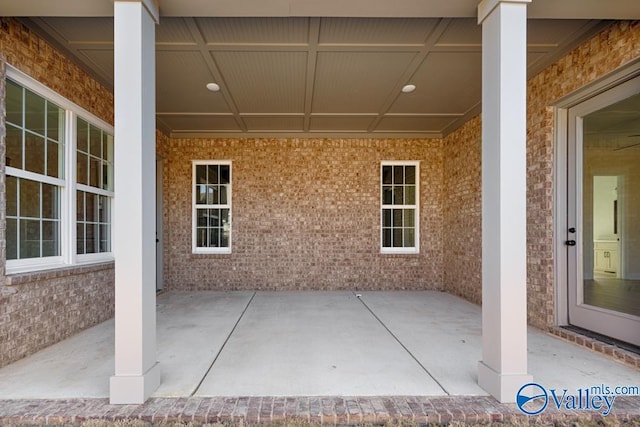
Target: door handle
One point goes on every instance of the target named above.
(570, 242)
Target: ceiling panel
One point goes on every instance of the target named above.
(83, 30)
(447, 83)
(254, 30)
(534, 57)
(375, 30)
(461, 32)
(551, 32)
(274, 123)
(101, 61)
(181, 79)
(265, 82)
(413, 124)
(357, 82)
(173, 31)
(200, 123)
(341, 123)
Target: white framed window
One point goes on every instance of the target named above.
(94, 178)
(400, 202)
(212, 182)
(42, 215)
(35, 139)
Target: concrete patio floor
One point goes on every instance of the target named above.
(306, 344)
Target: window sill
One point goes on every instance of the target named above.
(210, 252)
(400, 252)
(49, 273)
(204, 254)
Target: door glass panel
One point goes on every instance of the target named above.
(611, 207)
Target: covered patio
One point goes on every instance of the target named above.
(219, 347)
(297, 344)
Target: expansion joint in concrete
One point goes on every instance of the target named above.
(359, 297)
(213, 362)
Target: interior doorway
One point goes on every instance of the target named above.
(607, 231)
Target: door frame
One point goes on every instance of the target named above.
(563, 128)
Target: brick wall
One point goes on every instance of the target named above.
(600, 55)
(38, 310)
(613, 47)
(306, 215)
(463, 212)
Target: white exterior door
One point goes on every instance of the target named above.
(603, 213)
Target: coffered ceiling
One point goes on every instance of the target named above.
(310, 67)
(320, 76)
(321, 68)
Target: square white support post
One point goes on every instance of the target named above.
(503, 369)
(137, 373)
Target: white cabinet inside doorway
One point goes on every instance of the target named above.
(606, 256)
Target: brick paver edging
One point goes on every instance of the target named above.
(196, 411)
(615, 352)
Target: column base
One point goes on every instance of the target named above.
(134, 389)
(503, 387)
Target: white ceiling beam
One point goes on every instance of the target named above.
(548, 9)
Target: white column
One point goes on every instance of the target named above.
(137, 373)
(503, 369)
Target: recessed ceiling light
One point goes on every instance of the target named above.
(213, 87)
(408, 88)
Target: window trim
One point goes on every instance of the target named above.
(403, 250)
(194, 217)
(67, 185)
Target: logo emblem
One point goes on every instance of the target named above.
(532, 398)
